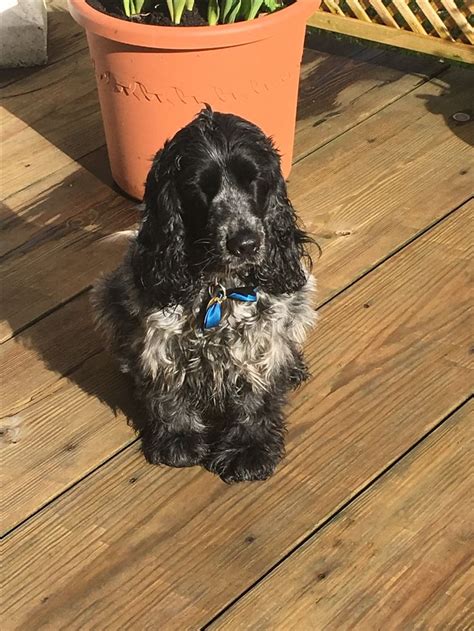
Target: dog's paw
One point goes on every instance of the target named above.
(245, 464)
(176, 450)
(298, 375)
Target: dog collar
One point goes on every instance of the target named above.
(219, 295)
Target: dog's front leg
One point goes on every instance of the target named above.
(252, 444)
(174, 433)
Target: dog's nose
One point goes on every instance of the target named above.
(244, 243)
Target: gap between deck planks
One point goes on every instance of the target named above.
(65, 113)
(63, 256)
(399, 557)
(336, 92)
(133, 544)
(353, 215)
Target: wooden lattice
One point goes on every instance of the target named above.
(451, 22)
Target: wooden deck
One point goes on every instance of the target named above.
(367, 523)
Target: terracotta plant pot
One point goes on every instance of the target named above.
(152, 80)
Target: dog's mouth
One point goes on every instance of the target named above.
(216, 263)
(237, 263)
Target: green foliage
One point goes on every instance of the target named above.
(176, 8)
(230, 10)
(133, 7)
(218, 12)
(213, 12)
(250, 8)
(272, 5)
(236, 10)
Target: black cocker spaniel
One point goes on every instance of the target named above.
(209, 309)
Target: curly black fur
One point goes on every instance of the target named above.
(212, 397)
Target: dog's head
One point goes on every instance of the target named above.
(216, 206)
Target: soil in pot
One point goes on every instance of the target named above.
(158, 13)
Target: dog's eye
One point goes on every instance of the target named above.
(210, 181)
(244, 171)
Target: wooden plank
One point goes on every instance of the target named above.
(343, 207)
(410, 18)
(73, 197)
(338, 92)
(75, 127)
(397, 558)
(356, 223)
(358, 10)
(64, 430)
(134, 543)
(60, 125)
(393, 37)
(63, 387)
(384, 14)
(459, 19)
(334, 7)
(34, 363)
(65, 38)
(434, 19)
(324, 75)
(56, 231)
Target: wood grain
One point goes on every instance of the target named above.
(350, 211)
(65, 115)
(66, 430)
(400, 557)
(66, 249)
(340, 88)
(54, 113)
(441, 48)
(357, 225)
(135, 546)
(332, 91)
(72, 198)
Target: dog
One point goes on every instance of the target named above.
(211, 305)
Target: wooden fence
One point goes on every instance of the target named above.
(444, 28)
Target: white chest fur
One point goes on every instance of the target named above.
(253, 342)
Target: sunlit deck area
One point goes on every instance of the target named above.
(366, 524)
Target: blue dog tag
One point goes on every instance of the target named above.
(213, 314)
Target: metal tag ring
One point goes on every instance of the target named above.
(218, 291)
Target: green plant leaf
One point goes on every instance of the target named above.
(272, 5)
(250, 8)
(226, 8)
(213, 12)
(189, 5)
(170, 4)
(133, 7)
(178, 10)
(255, 8)
(245, 8)
(234, 12)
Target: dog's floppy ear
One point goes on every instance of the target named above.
(159, 259)
(283, 271)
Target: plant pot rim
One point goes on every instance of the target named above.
(188, 37)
